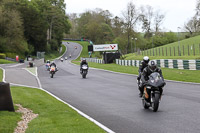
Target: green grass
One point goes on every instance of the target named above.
(54, 116)
(163, 52)
(55, 54)
(9, 121)
(1, 75)
(3, 61)
(170, 74)
(140, 57)
(84, 52)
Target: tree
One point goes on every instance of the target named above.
(192, 25)
(158, 20)
(131, 17)
(117, 26)
(147, 18)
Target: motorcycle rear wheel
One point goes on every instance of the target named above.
(144, 104)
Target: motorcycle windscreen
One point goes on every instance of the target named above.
(155, 80)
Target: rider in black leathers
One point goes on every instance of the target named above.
(143, 65)
(152, 67)
(53, 64)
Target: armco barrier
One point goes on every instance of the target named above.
(165, 63)
(178, 64)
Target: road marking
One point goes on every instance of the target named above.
(3, 74)
(78, 111)
(29, 71)
(15, 65)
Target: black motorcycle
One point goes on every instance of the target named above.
(153, 91)
(84, 70)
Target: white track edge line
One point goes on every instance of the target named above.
(29, 71)
(78, 111)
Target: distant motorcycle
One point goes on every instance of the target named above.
(84, 70)
(48, 66)
(52, 71)
(152, 91)
(61, 59)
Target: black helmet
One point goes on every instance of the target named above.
(152, 66)
(146, 59)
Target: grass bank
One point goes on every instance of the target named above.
(84, 52)
(140, 57)
(3, 61)
(170, 74)
(55, 54)
(54, 116)
(187, 48)
(1, 75)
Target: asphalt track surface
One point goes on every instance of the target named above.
(112, 99)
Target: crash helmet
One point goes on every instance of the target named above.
(83, 60)
(48, 61)
(152, 66)
(146, 59)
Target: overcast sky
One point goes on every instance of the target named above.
(177, 12)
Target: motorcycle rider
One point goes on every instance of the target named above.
(82, 63)
(48, 61)
(143, 65)
(152, 67)
(53, 64)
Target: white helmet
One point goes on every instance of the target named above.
(146, 59)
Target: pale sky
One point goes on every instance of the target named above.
(177, 12)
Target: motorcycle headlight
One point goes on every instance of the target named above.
(152, 81)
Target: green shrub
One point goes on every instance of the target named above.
(2, 56)
(11, 55)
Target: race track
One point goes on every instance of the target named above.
(112, 99)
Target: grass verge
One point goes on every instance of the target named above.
(1, 75)
(140, 57)
(3, 61)
(84, 52)
(54, 116)
(55, 54)
(170, 74)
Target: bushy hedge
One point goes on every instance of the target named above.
(2, 56)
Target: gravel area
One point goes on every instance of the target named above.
(27, 116)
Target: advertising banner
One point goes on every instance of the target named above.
(105, 47)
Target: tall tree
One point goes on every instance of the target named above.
(147, 18)
(131, 17)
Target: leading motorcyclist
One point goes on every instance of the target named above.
(143, 65)
(82, 63)
(53, 64)
(152, 67)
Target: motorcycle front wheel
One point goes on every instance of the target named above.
(155, 103)
(51, 75)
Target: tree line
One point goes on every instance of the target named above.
(28, 26)
(101, 26)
